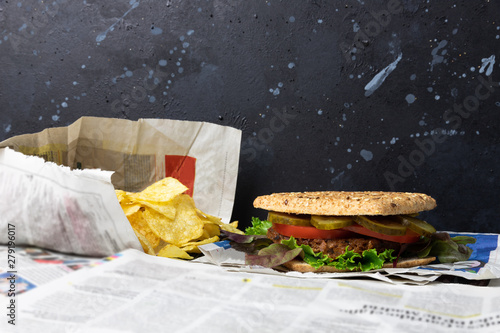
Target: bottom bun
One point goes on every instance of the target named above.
(301, 266)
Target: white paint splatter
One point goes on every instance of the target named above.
(337, 178)
(488, 65)
(102, 36)
(366, 154)
(378, 79)
(437, 59)
(410, 98)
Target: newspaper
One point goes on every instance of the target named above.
(484, 264)
(203, 156)
(67, 202)
(36, 267)
(53, 207)
(140, 293)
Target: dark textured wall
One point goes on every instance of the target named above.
(353, 95)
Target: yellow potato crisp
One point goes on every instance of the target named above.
(167, 222)
(172, 251)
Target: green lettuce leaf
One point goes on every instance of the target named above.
(448, 249)
(350, 260)
(250, 244)
(258, 227)
(272, 255)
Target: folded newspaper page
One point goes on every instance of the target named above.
(51, 206)
(140, 293)
(484, 264)
(67, 201)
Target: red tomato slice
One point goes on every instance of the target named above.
(409, 237)
(310, 232)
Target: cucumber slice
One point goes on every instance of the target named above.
(331, 222)
(383, 225)
(290, 219)
(417, 225)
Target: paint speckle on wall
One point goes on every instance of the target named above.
(378, 79)
(487, 65)
(438, 54)
(102, 36)
(156, 31)
(7, 128)
(410, 98)
(366, 154)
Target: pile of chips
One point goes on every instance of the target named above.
(167, 222)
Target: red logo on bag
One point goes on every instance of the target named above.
(182, 168)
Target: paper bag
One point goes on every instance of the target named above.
(201, 155)
(66, 202)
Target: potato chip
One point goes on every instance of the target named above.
(172, 251)
(162, 191)
(193, 246)
(139, 223)
(185, 227)
(163, 216)
(166, 208)
(211, 230)
(146, 246)
(208, 217)
(231, 227)
(121, 195)
(130, 209)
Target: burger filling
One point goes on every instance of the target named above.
(333, 248)
(347, 243)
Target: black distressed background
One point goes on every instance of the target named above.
(292, 76)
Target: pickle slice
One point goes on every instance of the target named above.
(331, 222)
(383, 225)
(290, 219)
(417, 225)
